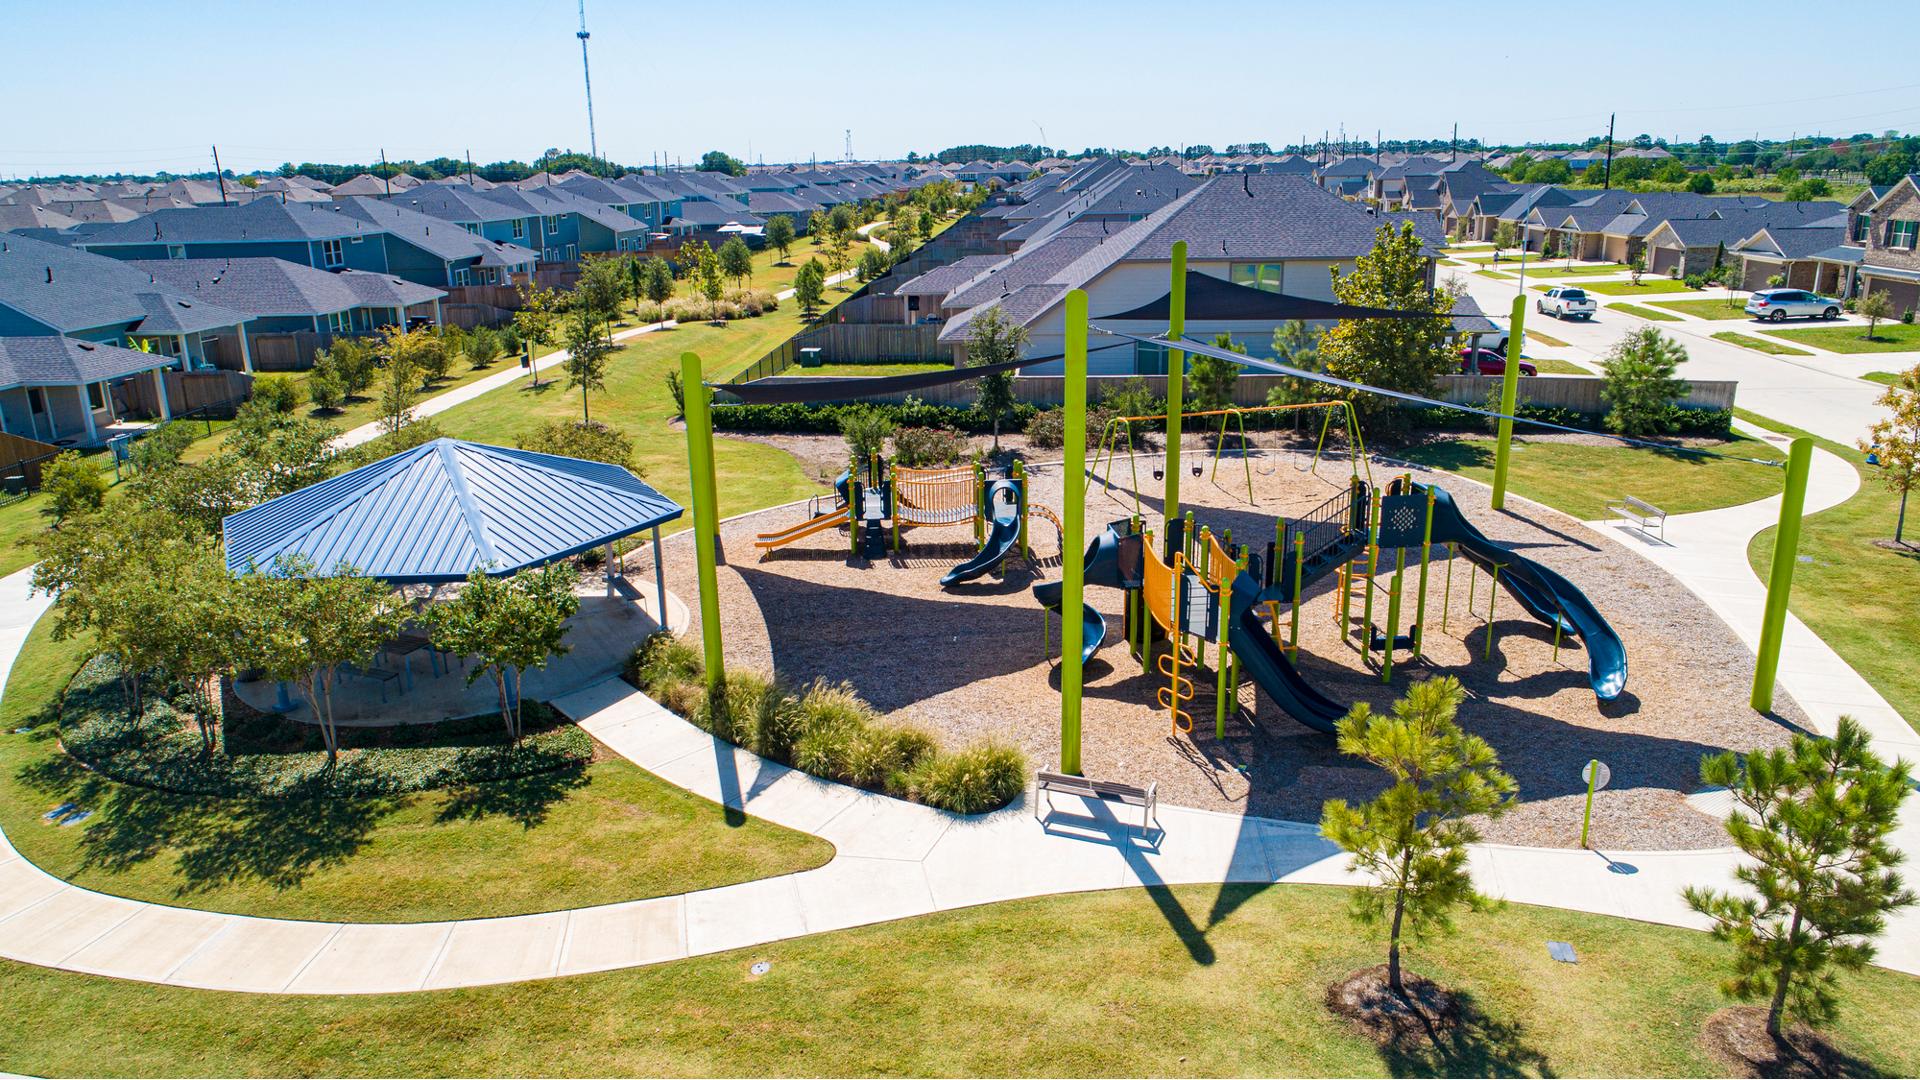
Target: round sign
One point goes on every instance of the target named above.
(1587, 774)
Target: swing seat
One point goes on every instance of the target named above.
(1406, 642)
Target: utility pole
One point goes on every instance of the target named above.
(1606, 181)
(593, 144)
(847, 154)
(1453, 147)
(386, 172)
(219, 177)
(469, 168)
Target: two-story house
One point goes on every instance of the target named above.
(1890, 237)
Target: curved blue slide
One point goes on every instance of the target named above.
(1545, 594)
(1003, 500)
(1102, 568)
(1269, 668)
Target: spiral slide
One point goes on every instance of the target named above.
(1102, 568)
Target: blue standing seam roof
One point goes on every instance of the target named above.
(435, 513)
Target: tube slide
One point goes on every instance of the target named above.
(1269, 668)
(1102, 568)
(1003, 500)
(1545, 594)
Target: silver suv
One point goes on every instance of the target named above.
(1777, 304)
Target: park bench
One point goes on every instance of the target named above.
(1147, 798)
(1645, 516)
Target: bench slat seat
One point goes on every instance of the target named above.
(1644, 515)
(1147, 798)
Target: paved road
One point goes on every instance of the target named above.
(1817, 393)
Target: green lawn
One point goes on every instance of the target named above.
(1186, 981)
(1747, 341)
(608, 833)
(1557, 268)
(1544, 339)
(1884, 378)
(1647, 287)
(1548, 365)
(1495, 274)
(1887, 337)
(1580, 480)
(853, 371)
(1651, 313)
(1716, 308)
(1857, 596)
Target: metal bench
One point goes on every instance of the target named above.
(1147, 798)
(1645, 516)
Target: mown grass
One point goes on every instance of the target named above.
(1887, 337)
(1849, 589)
(1748, 341)
(1187, 981)
(1580, 479)
(1648, 287)
(1545, 339)
(602, 834)
(1653, 314)
(1548, 365)
(1558, 268)
(1714, 309)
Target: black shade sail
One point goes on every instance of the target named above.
(1215, 299)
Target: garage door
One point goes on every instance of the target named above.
(1667, 260)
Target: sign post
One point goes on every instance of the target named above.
(1596, 774)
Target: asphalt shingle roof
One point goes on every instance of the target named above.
(70, 290)
(277, 287)
(55, 360)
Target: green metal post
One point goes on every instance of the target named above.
(706, 512)
(1586, 819)
(1393, 614)
(1446, 598)
(1020, 477)
(1073, 571)
(1299, 592)
(1176, 380)
(1509, 394)
(1493, 597)
(1204, 552)
(1786, 551)
(1420, 603)
(979, 504)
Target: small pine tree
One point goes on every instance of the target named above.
(1641, 387)
(1411, 840)
(992, 338)
(1815, 820)
(1210, 379)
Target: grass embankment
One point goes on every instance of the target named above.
(1580, 479)
(1544, 339)
(1718, 308)
(1647, 287)
(602, 834)
(1082, 985)
(1853, 592)
(1747, 341)
(1887, 337)
(1548, 365)
(1652, 314)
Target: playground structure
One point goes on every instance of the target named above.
(1123, 427)
(878, 502)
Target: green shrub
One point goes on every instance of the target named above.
(731, 716)
(276, 392)
(1131, 397)
(919, 447)
(1696, 281)
(881, 753)
(1047, 430)
(73, 484)
(866, 432)
(777, 723)
(325, 391)
(660, 657)
(269, 756)
(815, 419)
(982, 777)
(589, 440)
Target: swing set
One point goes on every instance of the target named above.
(1122, 427)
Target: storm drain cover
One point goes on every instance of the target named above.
(1562, 952)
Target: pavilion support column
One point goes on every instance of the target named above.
(659, 581)
(246, 353)
(609, 569)
(160, 393)
(86, 414)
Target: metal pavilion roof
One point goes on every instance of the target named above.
(436, 512)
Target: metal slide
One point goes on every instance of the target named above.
(1544, 593)
(769, 541)
(1269, 668)
(1003, 499)
(1102, 568)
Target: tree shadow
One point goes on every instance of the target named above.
(525, 800)
(1474, 1044)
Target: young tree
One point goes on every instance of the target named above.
(349, 360)
(586, 365)
(483, 348)
(507, 626)
(840, 249)
(866, 430)
(1894, 443)
(1411, 840)
(1637, 266)
(736, 261)
(780, 236)
(711, 278)
(303, 625)
(1815, 821)
(73, 485)
(194, 636)
(873, 264)
(810, 287)
(587, 441)
(817, 226)
(1875, 307)
(659, 280)
(992, 338)
(1394, 354)
(602, 285)
(536, 323)
(1641, 387)
(399, 393)
(1505, 236)
(1210, 378)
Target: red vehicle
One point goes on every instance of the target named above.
(1490, 363)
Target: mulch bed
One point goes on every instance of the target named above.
(1424, 1016)
(971, 661)
(1737, 1039)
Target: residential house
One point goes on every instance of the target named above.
(1351, 177)
(1890, 260)
(61, 390)
(1679, 247)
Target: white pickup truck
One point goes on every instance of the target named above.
(1562, 302)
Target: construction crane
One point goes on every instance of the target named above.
(593, 143)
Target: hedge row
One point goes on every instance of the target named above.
(270, 756)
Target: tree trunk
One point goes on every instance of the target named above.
(519, 700)
(996, 433)
(1393, 937)
(1781, 975)
(1900, 523)
(506, 708)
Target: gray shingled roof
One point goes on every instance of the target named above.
(277, 287)
(54, 360)
(70, 290)
(1264, 216)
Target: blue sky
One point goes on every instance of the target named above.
(141, 86)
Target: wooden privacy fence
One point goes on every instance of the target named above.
(1576, 393)
(205, 392)
(20, 456)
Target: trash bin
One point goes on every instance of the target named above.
(810, 357)
(13, 484)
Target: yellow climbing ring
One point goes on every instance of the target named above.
(1179, 688)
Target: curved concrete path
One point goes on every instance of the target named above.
(893, 860)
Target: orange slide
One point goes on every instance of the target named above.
(828, 520)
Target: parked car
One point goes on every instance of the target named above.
(1775, 305)
(1489, 362)
(1562, 302)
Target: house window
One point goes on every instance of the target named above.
(176, 251)
(519, 228)
(553, 224)
(1263, 276)
(331, 254)
(1862, 227)
(1149, 359)
(461, 277)
(340, 322)
(1902, 234)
